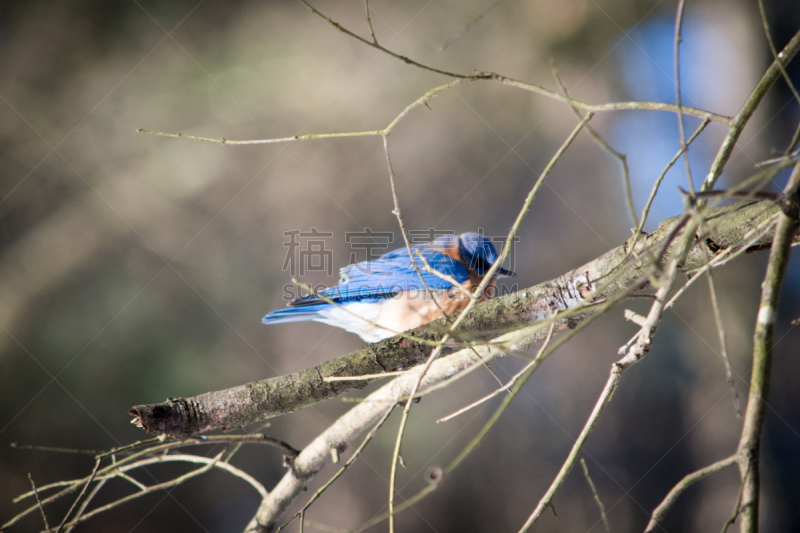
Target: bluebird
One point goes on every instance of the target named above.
(377, 299)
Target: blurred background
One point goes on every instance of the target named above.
(135, 268)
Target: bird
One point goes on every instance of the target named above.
(380, 298)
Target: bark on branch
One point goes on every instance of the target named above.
(235, 407)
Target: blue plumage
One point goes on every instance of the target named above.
(378, 298)
(388, 275)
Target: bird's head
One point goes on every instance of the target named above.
(479, 254)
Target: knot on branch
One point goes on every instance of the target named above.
(572, 291)
(790, 204)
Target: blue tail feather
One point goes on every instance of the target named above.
(294, 314)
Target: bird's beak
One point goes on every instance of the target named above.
(502, 272)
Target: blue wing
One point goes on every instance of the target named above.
(372, 281)
(390, 274)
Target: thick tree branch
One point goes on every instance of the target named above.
(241, 405)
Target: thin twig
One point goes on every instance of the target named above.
(595, 494)
(765, 24)
(39, 502)
(534, 362)
(681, 129)
(652, 106)
(722, 344)
(52, 449)
(89, 481)
(793, 143)
(622, 158)
(398, 213)
(97, 488)
(369, 22)
(132, 480)
(208, 463)
(375, 45)
(688, 480)
(469, 26)
(362, 377)
(153, 488)
(132, 461)
(278, 140)
(751, 104)
(638, 232)
(396, 201)
(737, 509)
(607, 107)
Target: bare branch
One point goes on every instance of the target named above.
(632, 355)
(85, 488)
(678, 99)
(39, 502)
(278, 140)
(750, 442)
(623, 160)
(469, 26)
(595, 495)
(369, 22)
(771, 43)
(139, 454)
(722, 344)
(514, 379)
(751, 104)
(660, 512)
